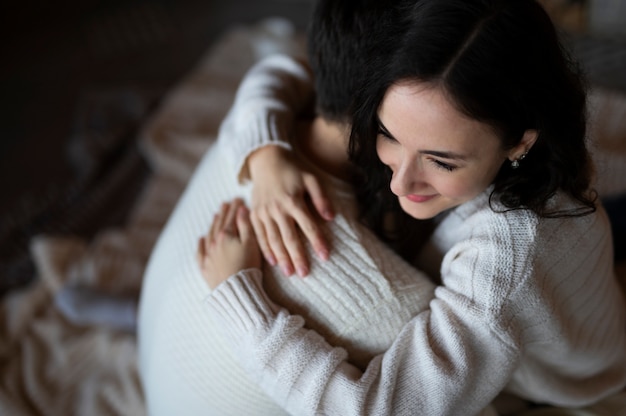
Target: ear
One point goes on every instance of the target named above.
(523, 147)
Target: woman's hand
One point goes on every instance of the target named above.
(279, 203)
(230, 245)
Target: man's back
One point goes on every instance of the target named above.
(359, 299)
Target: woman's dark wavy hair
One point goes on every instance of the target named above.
(500, 62)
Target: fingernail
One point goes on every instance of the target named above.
(287, 271)
(323, 254)
(271, 260)
(328, 214)
(302, 271)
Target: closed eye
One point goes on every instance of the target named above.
(441, 165)
(382, 131)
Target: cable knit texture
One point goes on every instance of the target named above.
(527, 305)
(359, 300)
(545, 324)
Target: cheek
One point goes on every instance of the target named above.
(472, 182)
(461, 187)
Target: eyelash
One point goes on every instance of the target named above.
(382, 133)
(438, 164)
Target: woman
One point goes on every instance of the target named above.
(477, 120)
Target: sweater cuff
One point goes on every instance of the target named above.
(262, 130)
(241, 305)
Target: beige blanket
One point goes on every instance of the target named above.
(50, 366)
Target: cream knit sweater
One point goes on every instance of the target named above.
(527, 305)
(360, 299)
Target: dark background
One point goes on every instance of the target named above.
(57, 52)
(77, 80)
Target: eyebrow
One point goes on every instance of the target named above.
(437, 153)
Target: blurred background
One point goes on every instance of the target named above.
(80, 77)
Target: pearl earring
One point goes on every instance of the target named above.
(515, 163)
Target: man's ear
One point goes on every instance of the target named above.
(524, 146)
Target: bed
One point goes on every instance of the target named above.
(53, 366)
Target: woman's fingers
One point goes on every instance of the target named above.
(278, 248)
(218, 222)
(244, 226)
(280, 239)
(282, 216)
(312, 232)
(294, 216)
(261, 236)
(229, 246)
(293, 245)
(271, 241)
(229, 225)
(309, 226)
(224, 221)
(321, 203)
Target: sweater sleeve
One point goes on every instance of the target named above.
(272, 93)
(441, 363)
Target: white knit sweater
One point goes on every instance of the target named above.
(359, 299)
(527, 305)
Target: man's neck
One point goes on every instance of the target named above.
(325, 143)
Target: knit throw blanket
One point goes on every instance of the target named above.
(53, 366)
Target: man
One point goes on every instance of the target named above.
(358, 299)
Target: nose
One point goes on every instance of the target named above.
(405, 177)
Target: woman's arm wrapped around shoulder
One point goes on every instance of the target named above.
(441, 363)
(268, 101)
(270, 98)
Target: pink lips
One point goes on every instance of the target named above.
(419, 198)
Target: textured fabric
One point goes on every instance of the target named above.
(526, 304)
(359, 299)
(50, 366)
(281, 86)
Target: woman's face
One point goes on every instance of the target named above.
(440, 158)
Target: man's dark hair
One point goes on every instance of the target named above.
(344, 37)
